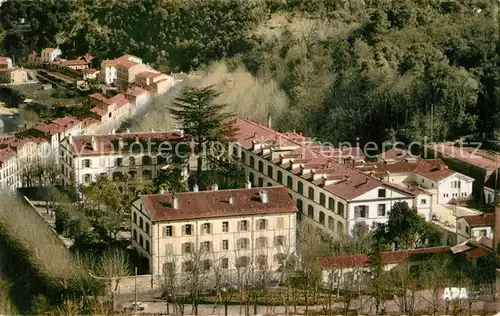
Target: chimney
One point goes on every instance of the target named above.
(128, 130)
(175, 202)
(113, 131)
(497, 228)
(215, 187)
(231, 199)
(249, 184)
(121, 144)
(195, 188)
(264, 197)
(70, 138)
(94, 144)
(269, 121)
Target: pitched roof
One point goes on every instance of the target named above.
(58, 125)
(209, 204)
(6, 154)
(434, 169)
(99, 111)
(108, 63)
(90, 71)
(74, 62)
(136, 91)
(470, 155)
(483, 220)
(107, 144)
(387, 257)
(315, 160)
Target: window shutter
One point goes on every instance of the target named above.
(183, 230)
(90, 163)
(202, 228)
(83, 163)
(239, 225)
(173, 231)
(164, 231)
(266, 222)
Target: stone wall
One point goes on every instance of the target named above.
(126, 285)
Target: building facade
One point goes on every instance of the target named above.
(328, 191)
(5, 62)
(475, 226)
(13, 75)
(124, 158)
(238, 229)
(48, 55)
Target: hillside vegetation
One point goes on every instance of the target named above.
(335, 69)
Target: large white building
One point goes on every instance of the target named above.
(129, 156)
(321, 179)
(233, 229)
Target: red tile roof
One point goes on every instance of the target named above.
(136, 91)
(4, 60)
(74, 62)
(89, 121)
(58, 125)
(98, 111)
(105, 144)
(483, 220)
(479, 158)
(433, 169)
(149, 74)
(108, 63)
(320, 158)
(6, 154)
(90, 70)
(209, 204)
(388, 257)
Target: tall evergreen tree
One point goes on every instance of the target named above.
(204, 121)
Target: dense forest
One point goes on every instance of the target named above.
(374, 69)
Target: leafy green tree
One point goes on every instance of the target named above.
(227, 174)
(405, 229)
(204, 121)
(170, 179)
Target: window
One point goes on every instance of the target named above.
(261, 167)
(262, 261)
(187, 266)
(147, 228)
(252, 162)
(251, 177)
(467, 229)
(206, 228)
(280, 177)
(331, 204)
(187, 247)
(243, 157)
(104, 175)
(188, 229)
(244, 225)
(147, 246)
(135, 235)
(146, 175)
(225, 244)
(269, 184)
(131, 161)
(311, 193)
(331, 223)
(459, 226)
(423, 201)
(119, 161)
(87, 178)
(310, 211)
(132, 174)
(168, 231)
(224, 263)
(243, 243)
(300, 188)
(262, 224)
(270, 171)
(260, 182)
(340, 209)
(423, 180)
(482, 232)
(261, 242)
(117, 176)
(86, 163)
(381, 210)
(381, 193)
(300, 209)
(169, 249)
(322, 218)
(141, 241)
(141, 223)
(135, 218)
(360, 211)
(280, 223)
(242, 262)
(168, 269)
(206, 246)
(279, 240)
(322, 199)
(109, 114)
(146, 160)
(289, 182)
(206, 265)
(225, 227)
(340, 228)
